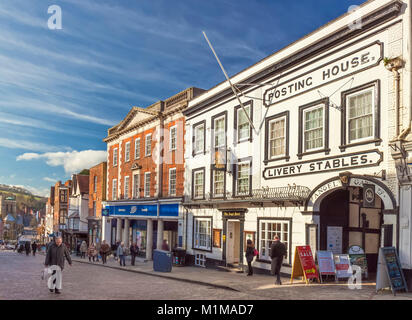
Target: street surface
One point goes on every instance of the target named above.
(20, 278)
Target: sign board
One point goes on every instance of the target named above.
(344, 66)
(326, 263)
(389, 271)
(343, 266)
(369, 196)
(334, 163)
(304, 265)
(334, 239)
(233, 215)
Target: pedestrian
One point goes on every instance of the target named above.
(134, 251)
(104, 251)
(78, 248)
(114, 249)
(91, 252)
(98, 246)
(251, 252)
(16, 246)
(27, 247)
(277, 252)
(165, 246)
(55, 256)
(83, 249)
(34, 248)
(120, 253)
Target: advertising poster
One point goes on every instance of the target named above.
(343, 266)
(303, 264)
(139, 238)
(326, 263)
(334, 237)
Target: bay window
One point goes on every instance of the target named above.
(202, 233)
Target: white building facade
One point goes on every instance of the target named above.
(317, 168)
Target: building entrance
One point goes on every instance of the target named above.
(233, 242)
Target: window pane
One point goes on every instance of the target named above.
(313, 126)
(360, 116)
(277, 138)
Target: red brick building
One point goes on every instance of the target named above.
(97, 194)
(61, 206)
(145, 175)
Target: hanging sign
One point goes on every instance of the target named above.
(304, 265)
(343, 266)
(326, 263)
(334, 239)
(389, 271)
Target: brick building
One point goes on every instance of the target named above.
(97, 194)
(61, 207)
(145, 175)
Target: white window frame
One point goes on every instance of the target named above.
(127, 152)
(145, 145)
(146, 190)
(372, 90)
(215, 195)
(318, 106)
(196, 238)
(249, 177)
(114, 189)
(115, 157)
(284, 134)
(202, 138)
(136, 193)
(237, 124)
(126, 187)
(136, 150)
(268, 238)
(95, 184)
(175, 184)
(194, 184)
(173, 137)
(224, 131)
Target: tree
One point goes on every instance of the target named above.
(85, 172)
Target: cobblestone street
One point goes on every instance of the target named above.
(20, 278)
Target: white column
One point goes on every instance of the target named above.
(126, 232)
(103, 230)
(149, 240)
(119, 230)
(159, 234)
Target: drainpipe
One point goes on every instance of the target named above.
(161, 151)
(393, 65)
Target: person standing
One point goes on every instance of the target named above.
(98, 246)
(120, 253)
(91, 252)
(277, 252)
(165, 246)
(27, 247)
(34, 248)
(104, 251)
(250, 254)
(83, 249)
(134, 251)
(55, 256)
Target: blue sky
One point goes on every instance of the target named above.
(62, 89)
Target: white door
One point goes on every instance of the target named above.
(232, 242)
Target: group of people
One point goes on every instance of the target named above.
(277, 253)
(94, 250)
(27, 247)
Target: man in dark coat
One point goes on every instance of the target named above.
(55, 256)
(27, 247)
(277, 252)
(34, 248)
(134, 251)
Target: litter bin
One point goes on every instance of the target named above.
(162, 261)
(179, 257)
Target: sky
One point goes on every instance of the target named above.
(61, 89)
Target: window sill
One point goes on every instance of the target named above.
(244, 140)
(377, 142)
(276, 159)
(303, 154)
(200, 249)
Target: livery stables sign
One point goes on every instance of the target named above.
(352, 160)
(344, 66)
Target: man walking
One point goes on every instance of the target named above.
(134, 251)
(120, 253)
(277, 252)
(34, 248)
(104, 251)
(27, 247)
(55, 256)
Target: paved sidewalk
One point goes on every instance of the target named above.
(260, 285)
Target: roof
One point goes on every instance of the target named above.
(83, 181)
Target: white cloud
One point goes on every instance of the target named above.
(27, 145)
(43, 192)
(49, 179)
(73, 161)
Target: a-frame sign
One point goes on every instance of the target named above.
(304, 265)
(390, 273)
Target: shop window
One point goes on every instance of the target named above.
(268, 229)
(199, 138)
(137, 148)
(127, 152)
(200, 260)
(202, 235)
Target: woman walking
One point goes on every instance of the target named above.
(104, 251)
(83, 249)
(91, 252)
(250, 254)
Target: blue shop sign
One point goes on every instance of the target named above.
(133, 210)
(169, 210)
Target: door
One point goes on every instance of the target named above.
(233, 242)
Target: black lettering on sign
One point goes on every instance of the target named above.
(327, 165)
(354, 160)
(364, 159)
(312, 167)
(336, 163)
(355, 62)
(365, 58)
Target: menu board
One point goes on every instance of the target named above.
(326, 263)
(388, 258)
(303, 264)
(343, 266)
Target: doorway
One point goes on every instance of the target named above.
(233, 242)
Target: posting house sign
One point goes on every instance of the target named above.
(352, 160)
(347, 65)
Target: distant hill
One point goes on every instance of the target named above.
(23, 197)
(13, 189)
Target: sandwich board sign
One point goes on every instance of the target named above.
(304, 265)
(343, 266)
(326, 264)
(390, 271)
(358, 258)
